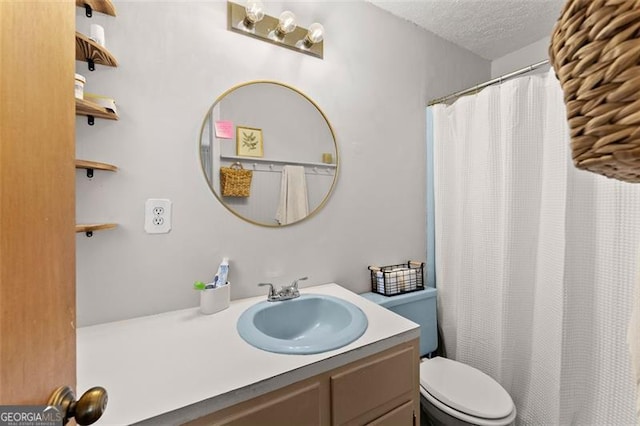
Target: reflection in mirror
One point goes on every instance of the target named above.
(276, 137)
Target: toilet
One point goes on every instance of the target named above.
(452, 393)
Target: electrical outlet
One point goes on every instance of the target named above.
(157, 216)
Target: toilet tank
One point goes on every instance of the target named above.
(417, 306)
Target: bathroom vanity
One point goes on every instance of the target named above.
(378, 390)
(184, 367)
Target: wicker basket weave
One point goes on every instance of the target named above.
(595, 52)
(235, 181)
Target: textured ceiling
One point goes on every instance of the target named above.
(489, 28)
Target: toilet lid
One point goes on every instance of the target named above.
(465, 388)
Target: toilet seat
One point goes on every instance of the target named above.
(465, 417)
(465, 393)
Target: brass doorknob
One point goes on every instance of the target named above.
(87, 410)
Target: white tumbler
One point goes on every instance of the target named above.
(214, 300)
(97, 34)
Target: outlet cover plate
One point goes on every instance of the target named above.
(157, 216)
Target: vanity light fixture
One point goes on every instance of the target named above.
(314, 35)
(251, 20)
(254, 12)
(286, 24)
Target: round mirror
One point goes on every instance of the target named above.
(268, 153)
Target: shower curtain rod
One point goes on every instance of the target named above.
(497, 80)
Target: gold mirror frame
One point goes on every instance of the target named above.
(210, 183)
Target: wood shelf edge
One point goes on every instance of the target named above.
(85, 107)
(86, 164)
(89, 49)
(103, 6)
(91, 227)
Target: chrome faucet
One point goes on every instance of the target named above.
(272, 296)
(285, 293)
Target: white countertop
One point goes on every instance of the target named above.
(182, 365)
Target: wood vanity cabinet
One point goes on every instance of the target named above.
(381, 389)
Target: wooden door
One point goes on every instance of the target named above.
(37, 199)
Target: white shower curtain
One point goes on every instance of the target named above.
(536, 261)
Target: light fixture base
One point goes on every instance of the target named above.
(295, 40)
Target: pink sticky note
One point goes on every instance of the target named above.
(224, 129)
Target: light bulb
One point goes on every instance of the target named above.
(287, 23)
(254, 12)
(314, 35)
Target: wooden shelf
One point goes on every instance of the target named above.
(90, 228)
(89, 51)
(91, 109)
(102, 6)
(85, 164)
(90, 166)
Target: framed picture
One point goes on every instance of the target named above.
(249, 142)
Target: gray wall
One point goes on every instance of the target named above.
(521, 58)
(175, 59)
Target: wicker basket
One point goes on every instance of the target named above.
(235, 181)
(595, 52)
(397, 279)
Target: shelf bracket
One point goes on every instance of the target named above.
(88, 11)
(90, 120)
(89, 234)
(89, 173)
(92, 65)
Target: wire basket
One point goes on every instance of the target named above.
(235, 181)
(397, 279)
(595, 52)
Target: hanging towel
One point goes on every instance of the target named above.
(294, 204)
(633, 339)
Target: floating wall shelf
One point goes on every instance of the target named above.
(268, 161)
(102, 6)
(93, 110)
(90, 166)
(90, 228)
(91, 52)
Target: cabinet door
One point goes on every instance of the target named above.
(401, 416)
(293, 405)
(369, 390)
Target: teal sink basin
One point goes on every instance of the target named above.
(309, 324)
